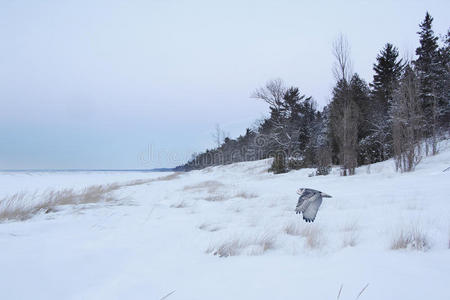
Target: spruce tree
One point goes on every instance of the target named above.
(427, 62)
(444, 82)
(279, 163)
(428, 70)
(360, 95)
(388, 70)
(377, 144)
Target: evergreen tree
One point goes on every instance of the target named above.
(321, 142)
(428, 69)
(377, 144)
(403, 107)
(427, 62)
(388, 70)
(279, 163)
(307, 127)
(444, 82)
(360, 95)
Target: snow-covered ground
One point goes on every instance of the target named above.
(230, 232)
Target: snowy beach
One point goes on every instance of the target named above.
(230, 232)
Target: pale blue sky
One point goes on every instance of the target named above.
(95, 84)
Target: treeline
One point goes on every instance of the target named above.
(402, 113)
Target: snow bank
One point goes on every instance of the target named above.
(230, 232)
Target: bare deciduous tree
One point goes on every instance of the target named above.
(272, 93)
(342, 68)
(344, 112)
(219, 135)
(407, 123)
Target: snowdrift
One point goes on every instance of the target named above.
(230, 232)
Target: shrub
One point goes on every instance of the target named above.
(278, 164)
(323, 170)
(296, 164)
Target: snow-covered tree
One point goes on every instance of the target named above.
(444, 81)
(377, 144)
(388, 70)
(428, 68)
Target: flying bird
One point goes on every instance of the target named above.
(309, 203)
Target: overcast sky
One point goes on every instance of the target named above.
(141, 84)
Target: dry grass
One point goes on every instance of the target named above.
(22, 206)
(257, 245)
(181, 204)
(357, 297)
(211, 186)
(145, 181)
(350, 239)
(246, 195)
(167, 296)
(414, 205)
(351, 236)
(170, 177)
(229, 248)
(314, 237)
(412, 238)
(312, 234)
(350, 226)
(216, 198)
(209, 227)
(293, 228)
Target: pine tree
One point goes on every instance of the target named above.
(322, 143)
(360, 95)
(307, 131)
(279, 163)
(444, 82)
(428, 58)
(377, 144)
(428, 69)
(388, 70)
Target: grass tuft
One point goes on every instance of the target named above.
(210, 186)
(246, 195)
(314, 237)
(257, 245)
(293, 228)
(181, 204)
(216, 198)
(412, 238)
(351, 236)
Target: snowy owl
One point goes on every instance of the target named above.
(309, 203)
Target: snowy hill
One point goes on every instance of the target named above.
(230, 232)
